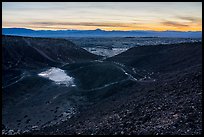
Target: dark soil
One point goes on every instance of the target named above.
(172, 105)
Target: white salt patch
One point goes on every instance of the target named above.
(58, 76)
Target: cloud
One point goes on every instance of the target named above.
(191, 19)
(99, 24)
(174, 24)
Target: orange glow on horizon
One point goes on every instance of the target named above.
(124, 16)
(150, 27)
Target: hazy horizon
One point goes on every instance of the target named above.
(93, 30)
(122, 16)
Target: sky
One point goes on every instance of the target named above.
(157, 16)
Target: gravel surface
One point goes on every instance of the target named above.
(171, 105)
(168, 104)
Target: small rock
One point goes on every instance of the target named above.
(33, 127)
(10, 132)
(25, 116)
(27, 121)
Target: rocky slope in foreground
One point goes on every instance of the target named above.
(171, 104)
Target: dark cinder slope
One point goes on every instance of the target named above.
(162, 58)
(26, 53)
(33, 52)
(147, 90)
(171, 104)
(29, 100)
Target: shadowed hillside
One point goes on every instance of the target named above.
(147, 90)
(23, 53)
(166, 101)
(162, 58)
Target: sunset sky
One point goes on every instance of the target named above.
(158, 16)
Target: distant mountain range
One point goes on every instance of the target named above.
(99, 33)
